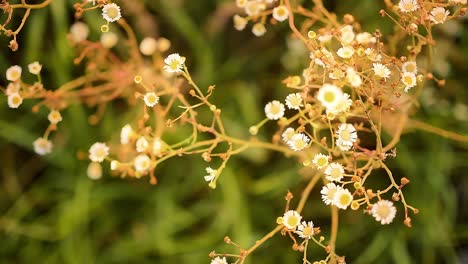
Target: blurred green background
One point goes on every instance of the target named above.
(51, 212)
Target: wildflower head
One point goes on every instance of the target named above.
(305, 230)
(329, 95)
(151, 99)
(407, 6)
(294, 101)
(274, 110)
(280, 13)
(13, 73)
(98, 152)
(42, 146)
(320, 160)
(298, 141)
(14, 100)
(35, 67)
(111, 12)
(54, 117)
(346, 136)
(439, 15)
(383, 211)
(334, 172)
(174, 63)
(148, 46)
(291, 219)
(342, 198)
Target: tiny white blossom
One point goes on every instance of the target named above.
(409, 80)
(35, 68)
(148, 46)
(291, 219)
(329, 95)
(253, 8)
(42, 146)
(94, 171)
(383, 211)
(334, 172)
(114, 165)
(305, 230)
(343, 105)
(372, 55)
(325, 38)
(345, 52)
(298, 142)
(126, 134)
(346, 136)
(174, 63)
(98, 152)
(109, 40)
(239, 22)
(13, 87)
(280, 13)
(219, 260)
(410, 66)
(157, 146)
(14, 100)
(365, 38)
(54, 117)
(294, 101)
(407, 6)
(141, 144)
(320, 160)
(111, 12)
(13, 73)
(79, 31)
(142, 163)
(353, 78)
(258, 29)
(288, 134)
(274, 110)
(211, 174)
(381, 70)
(347, 34)
(151, 99)
(342, 198)
(439, 15)
(328, 193)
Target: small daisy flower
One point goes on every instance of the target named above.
(35, 68)
(410, 66)
(142, 163)
(336, 74)
(109, 40)
(174, 63)
(239, 22)
(141, 144)
(320, 160)
(439, 15)
(274, 110)
(345, 52)
(14, 100)
(294, 101)
(329, 95)
(258, 29)
(365, 38)
(305, 230)
(288, 134)
(12, 88)
(94, 171)
(126, 134)
(334, 172)
(54, 117)
(98, 152)
(342, 198)
(148, 46)
(253, 8)
(298, 142)
(114, 165)
(151, 99)
(280, 13)
(346, 135)
(407, 6)
(79, 31)
(342, 106)
(381, 70)
(328, 193)
(211, 174)
(291, 219)
(383, 211)
(219, 260)
(353, 78)
(157, 146)
(42, 146)
(13, 73)
(111, 12)
(409, 80)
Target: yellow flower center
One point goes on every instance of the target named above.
(292, 221)
(345, 199)
(383, 211)
(113, 12)
(329, 97)
(308, 231)
(322, 161)
(345, 135)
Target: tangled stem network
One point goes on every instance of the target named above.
(354, 84)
